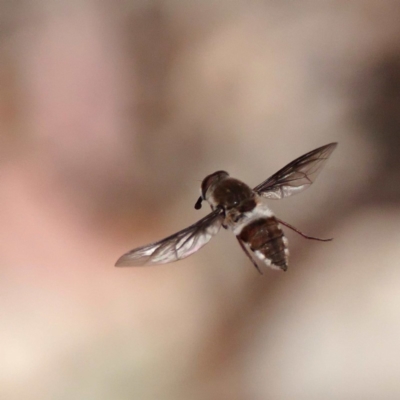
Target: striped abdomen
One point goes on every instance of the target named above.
(265, 238)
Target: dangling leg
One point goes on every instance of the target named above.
(248, 255)
(301, 233)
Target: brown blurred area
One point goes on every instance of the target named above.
(111, 113)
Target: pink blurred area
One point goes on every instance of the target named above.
(111, 113)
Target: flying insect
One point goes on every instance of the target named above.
(237, 207)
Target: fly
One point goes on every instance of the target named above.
(243, 210)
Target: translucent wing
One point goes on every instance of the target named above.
(177, 246)
(297, 175)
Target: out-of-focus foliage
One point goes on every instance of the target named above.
(111, 113)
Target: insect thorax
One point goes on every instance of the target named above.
(231, 193)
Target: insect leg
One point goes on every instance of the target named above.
(301, 233)
(248, 255)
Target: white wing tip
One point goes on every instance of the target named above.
(127, 261)
(122, 262)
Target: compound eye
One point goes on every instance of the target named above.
(210, 180)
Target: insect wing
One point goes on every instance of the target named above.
(177, 246)
(297, 175)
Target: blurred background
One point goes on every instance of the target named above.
(111, 114)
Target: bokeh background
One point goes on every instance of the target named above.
(111, 113)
